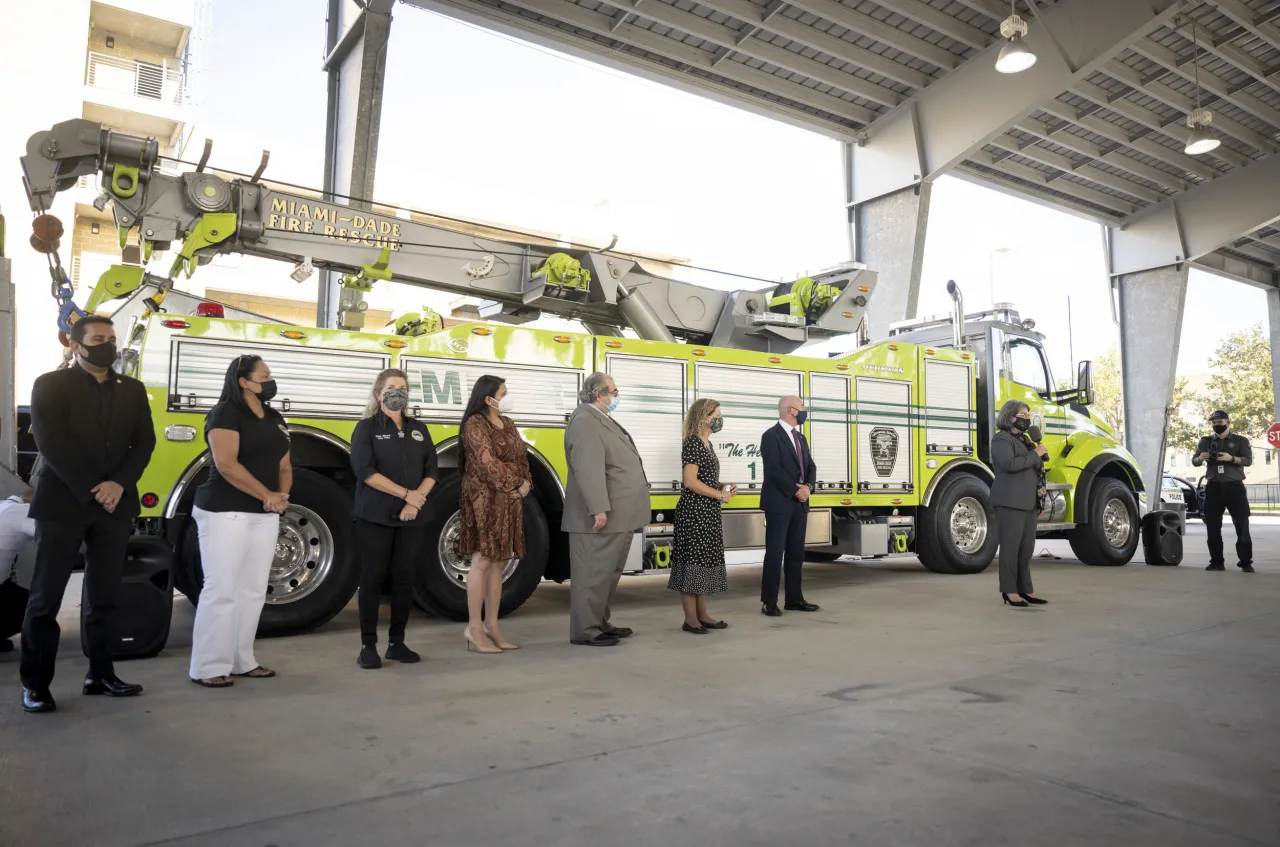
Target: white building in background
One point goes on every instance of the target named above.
(129, 64)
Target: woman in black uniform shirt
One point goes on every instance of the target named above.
(395, 464)
(237, 512)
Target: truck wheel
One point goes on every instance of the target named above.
(441, 586)
(315, 571)
(957, 532)
(1111, 536)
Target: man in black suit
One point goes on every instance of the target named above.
(93, 429)
(789, 477)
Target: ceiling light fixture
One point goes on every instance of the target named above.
(1200, 140)
(1015, 56)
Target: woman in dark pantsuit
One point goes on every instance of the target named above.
(1018, 495)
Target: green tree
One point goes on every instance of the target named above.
(1109, 403)
(1243, 387)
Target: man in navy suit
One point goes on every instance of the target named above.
(789, 477)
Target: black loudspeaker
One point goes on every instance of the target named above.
(1162, 538)
(146, 601)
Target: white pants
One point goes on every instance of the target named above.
(236, 551)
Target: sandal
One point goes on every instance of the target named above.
(213, 683)
(258, 673)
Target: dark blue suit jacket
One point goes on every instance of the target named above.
(782, 470)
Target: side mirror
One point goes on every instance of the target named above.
(1084, 384)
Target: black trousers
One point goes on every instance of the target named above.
(1231, 497)
(783, 552)
(1017, 530)
(106, 540)
(387, 548)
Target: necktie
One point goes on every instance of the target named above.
(795, 436)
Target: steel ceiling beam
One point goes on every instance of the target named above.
(993, 9)
(890, 36)
(1152, 120)
(1116, 157)
(690, 58)
(1172, 97)
(1209, 81)
(816, 39)
(1142, 144)
(1243, 16)
(1242, 60)
(1198, 222)
(1084, 170)
(1238, 269)
(725, 36)
(938, 21)
(1026, 173)
(949, 121)
(1038, 194)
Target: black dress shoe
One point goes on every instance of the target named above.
(399, 653)
(368, 658)
(113, 687)
(621, 632)
(1035, 601)
(770, 610)
(38, 701)
(714, 624)
(1216, 568)
(801, 607)
(696, 630)
(604, 639)
(6, 646)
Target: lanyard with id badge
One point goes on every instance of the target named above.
(1222, 466)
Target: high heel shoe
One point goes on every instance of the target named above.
(487, 647)
(1021, 604)
(1035, 601)
(503, 644)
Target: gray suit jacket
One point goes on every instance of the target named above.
(605, 475)
(1016, 478)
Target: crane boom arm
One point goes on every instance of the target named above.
(209, 215)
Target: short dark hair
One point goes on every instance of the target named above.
(81, 327)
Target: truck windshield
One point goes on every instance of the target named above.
(1027, 366)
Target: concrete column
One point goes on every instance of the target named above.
(889, 234)
(1151, 306)
(1273, 324)
(356, 64)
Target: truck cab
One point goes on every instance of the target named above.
(1094, 482)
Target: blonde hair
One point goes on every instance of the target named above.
(375, 396)
(698, 412)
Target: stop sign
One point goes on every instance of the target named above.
(1273, 435)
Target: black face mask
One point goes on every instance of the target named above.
(100, 355)
(1021, 424)
(716, 424)
(268, 391)
(1220, 428)
(801, 417)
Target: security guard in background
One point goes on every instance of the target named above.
(1226, 455)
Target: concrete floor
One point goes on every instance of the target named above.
(1138, 708)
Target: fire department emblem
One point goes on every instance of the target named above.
(884, 449)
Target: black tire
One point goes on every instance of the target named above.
(445, 596)
(332, 506)
(1089, 541)
(937, 549)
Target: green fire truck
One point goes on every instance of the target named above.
(899, 428)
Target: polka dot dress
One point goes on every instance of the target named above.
(697, 554)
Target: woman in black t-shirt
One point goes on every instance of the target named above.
(237, 511)
(395, 465)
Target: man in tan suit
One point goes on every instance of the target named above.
(606, 504)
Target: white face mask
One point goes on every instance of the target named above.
(506, 404)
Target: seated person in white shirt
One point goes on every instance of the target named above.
(17, 542)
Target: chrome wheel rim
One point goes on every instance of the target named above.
(456, 566)
(304, 556)
(1117, 526)
(969, 526)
